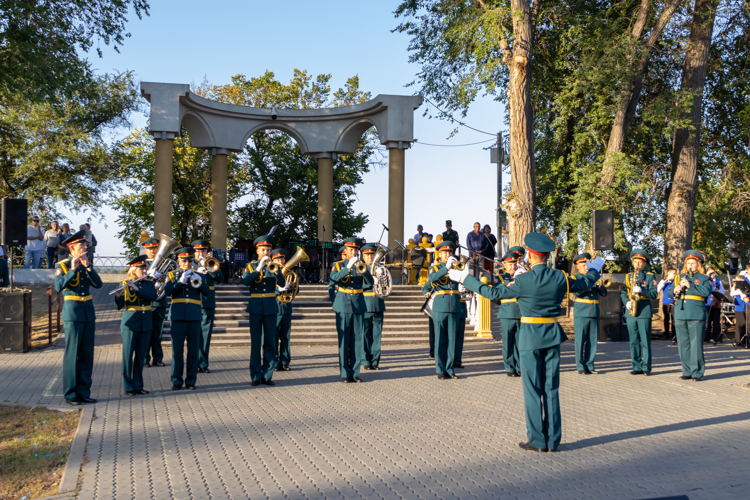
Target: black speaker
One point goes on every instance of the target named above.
(610, 316)
(14, 218)
(15, 322)
(603, 222)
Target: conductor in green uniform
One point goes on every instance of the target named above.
(373, 319)
(262, 277)
(639, 326)
(202, 249)
(446, 310)
(351, 276)
(510, 317)
(185, 318)
(449, 234)
(73, 277)
(690, 314)
(158, 312)
(283, 320)
(586, 322)
(136, 324)
(539, 292)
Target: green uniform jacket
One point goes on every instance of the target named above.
(539, 293)
(509, 309)
(647, 282)
(451, 235)
(584, 309)
(163, 301)
(284, 309)
(76, 284)
(374, 303)
(692, 308)
(264, 283)
(439, 281)
(209, 301)
(134, 317)
(185, 311)
(346, 279)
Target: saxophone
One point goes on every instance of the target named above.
(633, 298)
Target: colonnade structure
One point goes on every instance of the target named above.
(225, 128)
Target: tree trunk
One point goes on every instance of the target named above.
(521, 205)
(681, 200)
(631, 90)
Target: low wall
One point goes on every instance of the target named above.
(47, 276)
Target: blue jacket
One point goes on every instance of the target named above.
(74, 285)
(739, 304)
(477, 242)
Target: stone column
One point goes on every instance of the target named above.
(395, 197)
(163, 186)
(219, 201)
(325, 198)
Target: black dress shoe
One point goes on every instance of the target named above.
(88, 400)
(344, 380)
(453, 375)
(267, 382)
(528, 447)
(147, 365)
(255, 383)
(367, 367)
(648, 374)
(129, 394)
(375, 367)
(158, 363)
(74, 402)
(206, 370)
(285, 369)
(516, 374)
(443, 376)
(636, 372)
(581, 372)
(458, 366)
(176, 387)
(697, 379)
(432, 355)
(510, 374)
(142, 391)
(277, 369)
(190, 387)
(553, 451)
(592, 372)
(350, 380)
(357, 380)
(685, 377)
(200, 370)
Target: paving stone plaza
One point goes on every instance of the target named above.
(403, 433)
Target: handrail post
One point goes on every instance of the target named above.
(49, 313)
(59, 307)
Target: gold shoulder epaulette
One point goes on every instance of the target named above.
(338, 265)
(171, 276)
(63, 266)
(249, 267)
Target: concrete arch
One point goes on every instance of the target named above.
(281, 127)
(199, 130)
(352, 133)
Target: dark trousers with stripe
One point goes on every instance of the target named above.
(639, 334)
(510, 344)
(262, 346)
(283, 340)
(446, 325)
(78, 362)
(460, 334)
(207, 329)
(540, 369)
(690, 345)
(134, 344)
(350, 328)
(586, 340)
(158, 315)
(180, 332)
(373, 336)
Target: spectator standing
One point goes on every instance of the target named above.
(713, 309)
(491, 242)
(92, 243)
(477, 244)
(50, 239)
(449, 234)
(667, 304)
(62, 249)
(34, 251)
(419, 235)
(740, 304)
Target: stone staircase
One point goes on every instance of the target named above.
(313, 321)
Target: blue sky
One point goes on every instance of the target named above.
(185, 41)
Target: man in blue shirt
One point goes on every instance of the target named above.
(477, 242)
(667, 304)
(740, 304)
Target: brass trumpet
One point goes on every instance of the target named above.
(272, 268)
(212, 264)
(606, 283)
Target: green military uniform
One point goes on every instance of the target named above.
(586, 322)
(208, 306)
(639, 326)
(158, 315)
(350, 309)
(264, 311)
(446, 314)
(135, 327)
(450, 234)
(510, 322)
(689, 319)
(80, 324)
(425, 290)
(185, 321)
(539, 292)
(373, 320)
(283, 326)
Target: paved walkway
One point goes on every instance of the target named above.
(403, 433)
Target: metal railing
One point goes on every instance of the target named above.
(102, 263)
(50, 301)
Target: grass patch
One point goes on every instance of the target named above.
(34, 446)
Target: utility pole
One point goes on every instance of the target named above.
(497, 155)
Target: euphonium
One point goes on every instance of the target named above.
(292, 280)
(382, 276)
(212, 264)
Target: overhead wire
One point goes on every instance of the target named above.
(452, 145)
(455, 120)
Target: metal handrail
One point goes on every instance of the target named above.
(51, 301)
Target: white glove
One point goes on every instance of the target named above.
(261, 264)
(627, 306)
(451, 262)
(194, 275)
(201, 270)
(284, 288)
(154, 275)
(597, 264)
(519, 271)
(184, 277)
(458, 276)
(352, 261)
(637, 289)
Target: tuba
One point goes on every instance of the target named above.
(161, 263)
(292, 280)
(382, 276)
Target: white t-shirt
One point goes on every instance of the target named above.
(50, 236)
(34, 245)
